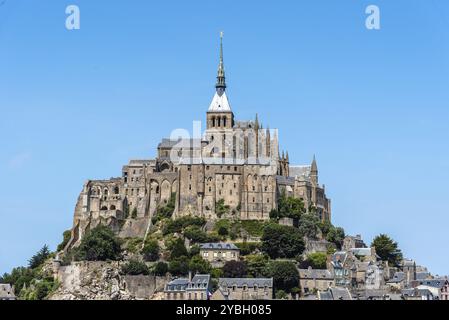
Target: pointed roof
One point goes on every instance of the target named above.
(220, 103)
(314, 165)
(221, 79)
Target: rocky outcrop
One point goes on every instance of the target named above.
(103, 281)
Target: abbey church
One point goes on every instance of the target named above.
(235, 165)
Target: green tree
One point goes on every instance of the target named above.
(179, 266)
(39, 258)
(309, 226)
(288, 207)
(336, 235)
(160, 269)
(199, 265)
(235, 269)
(282, 241)
(195, 234)
(151, 250)
(281, 295)
(66, 237)
(178, 249)
(135, 267)
(99, 244)
(387, 249)
(256, 264)
(316, 260)
(285, 275)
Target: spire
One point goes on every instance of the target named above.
(256, 125)
(314, 165)
(288, 160)
(221, 79)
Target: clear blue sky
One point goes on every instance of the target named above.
(372, 105)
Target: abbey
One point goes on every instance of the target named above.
(234, 170)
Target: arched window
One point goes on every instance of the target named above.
(106, 191)
(218, 122)
(224, 121)
(213, 123)
(112, 207)
(116, 190)
(104, 208)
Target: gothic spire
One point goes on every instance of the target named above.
(221, 79)
(314, 165)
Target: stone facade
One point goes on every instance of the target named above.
(236, 163)
(244, 289)
(219, 253)
(197, 288)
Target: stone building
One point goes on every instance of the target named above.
(6, 292)
(197, 288)
(219, 253)
(244, 289)
(313, 280)
(235, 165)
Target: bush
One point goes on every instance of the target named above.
(220, 208)
(216, 273)
(178, 249)
(235, 269)
(199, 265)
(195, 234)
(179, 266)
(282, 241)
(257, 265)
(66, 237)
(164, 212)
(99, 244)
(160, 269)
(134, 213)
(150, 251)
(285, 275)
(281, 295)
(135, 267)
(315, 260)
(247, 248)
(253, 227)
(194, 251)
(178, 225)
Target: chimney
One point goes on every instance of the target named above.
(190, 276)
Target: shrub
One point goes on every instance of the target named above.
(178, 225)
(195, 234)
(66, 237)
(99, 244)
(179, 266)
(281, 295)
(285, 275)
(235, 269)
(257, 265)
(160, 269)
(150, 251)
(216, 273)
(220, 208)
(315, 260)
(134, 268)
(178, 249)
(199, 265)
(194, 251)
(134, 213)
(247, 248)
(166, 211)
(282, 241)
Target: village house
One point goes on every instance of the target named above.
(335, 294)
(438, 287)
(219, 253)
(244, 289)
(312, 280)
(197, 288)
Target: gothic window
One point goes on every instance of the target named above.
(213, 125)
(112, 207)
(224, 121)
(104, 208)
(116, 190)
(218, 122)
(106, 192)
(190, 187)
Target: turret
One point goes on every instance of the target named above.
(314, 172)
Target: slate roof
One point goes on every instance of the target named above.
(219, 246)
(182, 143)
(285, 180)
(416, 292)
(249, 282)
(361, 251)
(315, 274)
(435, 283)
(335, 294)
(397, 278)
(199, 281)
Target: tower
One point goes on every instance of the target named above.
(220, 115)
(314, 172)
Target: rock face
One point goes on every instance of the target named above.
(103, 281)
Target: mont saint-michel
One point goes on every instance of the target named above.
(219, 215)
(236, 164)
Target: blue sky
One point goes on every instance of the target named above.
(372, 105)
